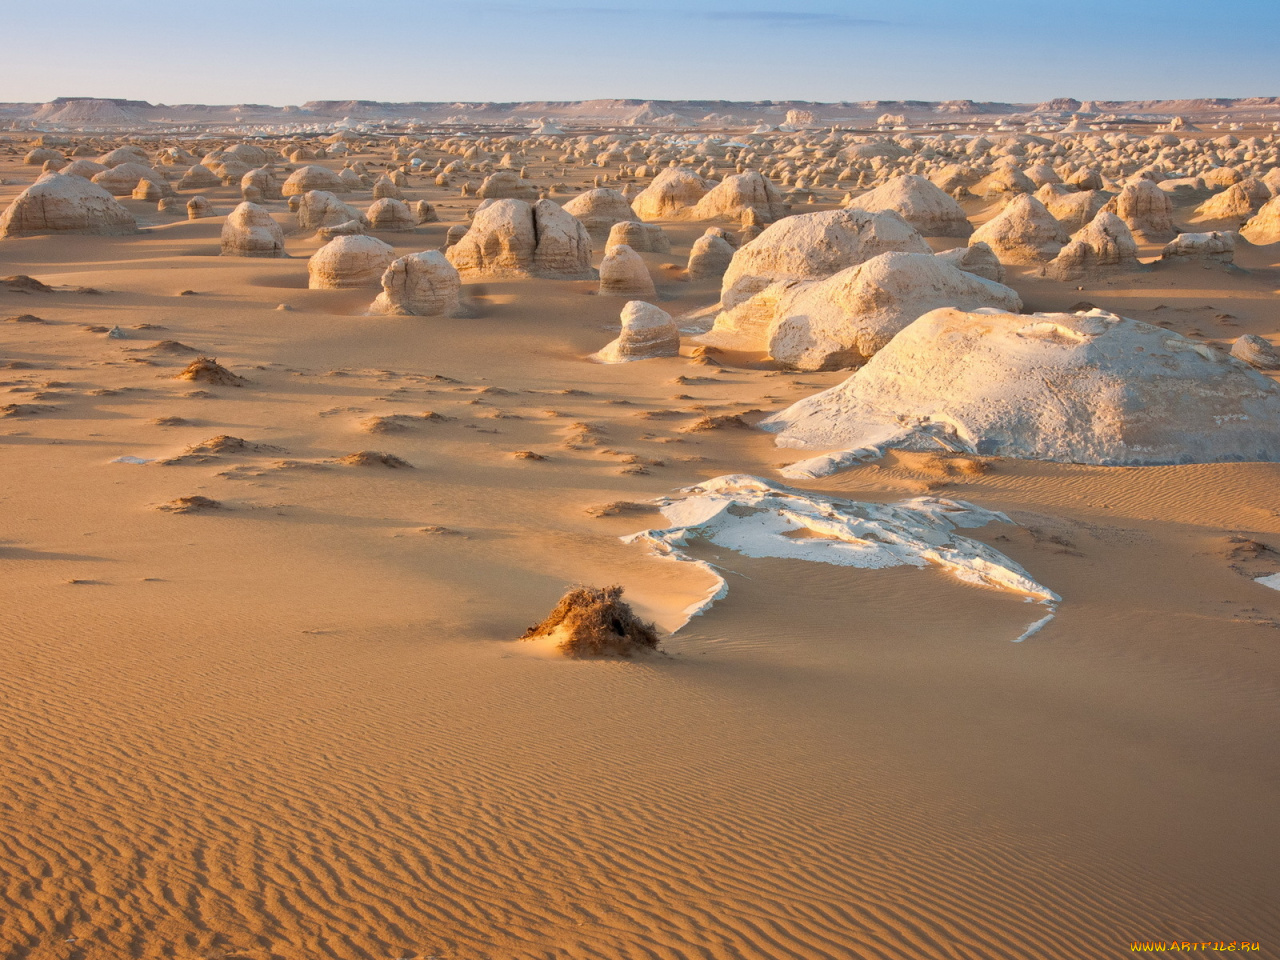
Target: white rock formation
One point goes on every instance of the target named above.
(599, 210)
(349, 262)
(1074, 209)
(1216, 246)
(1105, 246)
(198, 208)
(507, 185)
(199, 178)
(1146, 209)
(1256, 352)
(733, 196)
(814, 245)
(389, 214)
(623, 273)
(58, 203)
(710, 256)
(312, 177)
(1023, 232)
(1077, 388)
(319, 208)
(1240, 201)
(647, 331)
(671, 193)
(1264, 226)
(419, 285)
(978, 259)
(920, 203)
(641, 237)
(120, 180)
(512, 237)
(250, 231)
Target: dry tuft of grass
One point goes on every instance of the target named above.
(372, 458)
(190, 505)
(595, 622)
(208, 370)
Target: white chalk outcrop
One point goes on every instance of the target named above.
(599, 210)
(1089, 388)
(308, 178)
(419, 285)
(1215, 247)
(647, 331)
(1146, 209)
(390, 215)
(1105, 246)
(1023, 232)
(250, 231)
(920, 203)
(350, 261)
(1256, 352)
(672, 192)
(977, 258)
(58, 203)
(513, 238)
(710, 256)
(507, 185)
(1264, 226)
(318, 208)
(623, 273)
(812, 246)
(640, 237)
(734, 196)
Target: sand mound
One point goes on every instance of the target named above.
(208, 370)
(21, 283)
(372, 458)
(595, 622)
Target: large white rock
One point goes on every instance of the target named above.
(1077, 388)
(507, 185)
(120, 180)
(250, 231)
(1146, 209)
(920, 203)
(599, 210)
(623, 273)
(57, 203)
(319, 208)
(419, 285)
(350, 261)
(710, 256)
(563, 250)
(734, 196)
(1105, 246)
(671, 193)
(514, 238)
(647, 331)
(640, 237)
(1264, 226)
(389, 214)
(814, 245)
(977, 258)
(1217, 247)
(1023, 232)
(313, 177)
(845, 319)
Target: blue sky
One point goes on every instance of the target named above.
(286, 51)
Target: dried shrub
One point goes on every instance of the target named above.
(595, 622)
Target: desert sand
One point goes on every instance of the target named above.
(261, 692)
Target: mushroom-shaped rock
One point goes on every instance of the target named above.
(198, 208)
(1264, 226)
(623, 273)
(250, 231)
(1023, 232)
(1146, 209)
(319, 208)
(419, 285)
(845, 319)
(313, 177)
(1105, 245)
(599, 210)
(1256, 352)
(814, 245)
(709, 257)
(58, 203)
(733, 196)
(1216, 247)
(351, 261)
(641, 237)
(647, 331)
(978, 259)
(1089, 388)
(672, 191)
(507, 185)
(920, 203)
(390, 214)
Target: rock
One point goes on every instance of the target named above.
(623, 273)
(348, 228)
(419, 285)
(199, 208)
(42, 155)
(1217, 247)
(390, 215)
(599, 210)
(1023, 232)
(120, 180)
(1264, 226)
(199, 177)
(671, 192)
(500, 241)
(814, 245)
(647, 331)
(930, 211)
(258, 185)
(152, 191)
(318, 208)
(121, 155)
(507, 185)
(1256, 352)
(1074, 209)
(349, 262)
(641, 237)
(58, 203)
(1088, 388)
(1146, 209)
(386, 187)
(424, 212)
(82, 168)
(250, 231)
(733, 196)
(1104, 246)
(564, 247)
(308, 178)
(845, 319)
(709, 256)
(1005, 179)
(977, 258)
(1240, 201)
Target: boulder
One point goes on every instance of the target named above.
(419, 285)
(647, 332)
(1264, 226)
(198, 208)
(641, 237)
(1089, 388)
(673, 191)
(599, 210)
(319, 208)
(920, 203)
(507, 185)
(81, 167)
(250, 231)
(1104, 246)
(733, 196)
(1074, 209)
(978, 259)
(512, 238)
(384, 186)
(351, 261)
(58, 203)
(1146, 209)
(391, 215)
(1240, 201)
(811, 246)
(1216, 247)
(121, 179)
(150, 190)
(311, 177)
(564, 247)
(258, 185)
(424, 212)
(710, 255)
(1023, 232)
(1256, 352)
(623, 273)
(199, 177)
(119, 155)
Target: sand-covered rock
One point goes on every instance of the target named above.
(920, 203)
(672, 192)
(58, 203)
(599, 210)
(623, 274)
(710, 256)
(1106, 245)
(815, 245)
(734, 196)
(311, 177)
(250, 231)
(351, 261)
(425, 212)
(1215, 246)
(1078, 388)
(1146, 209)
(1264, 226)
(1023, 232)
(1240, 201)
(977, 258)
(419, 285)
(647, 331)
(81, 167)
(390, 215)
(318, 208)
(512, 237)
(641, 237)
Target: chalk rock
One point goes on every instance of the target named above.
(349, 262)
(599, 210)
(199, 177)
(564, 246)
(977, 258)
(1256, 352)
(42, 155)
(130, 154)
(1146, 209)
(384, 186)
(311, 177)
(507, 185)
(1105, 245)
(121, 179)
(1264, 226)
(512, 237)
(1240, 201)
(1023, 232)
(1217, 247)
(647, 331)
(930, 211)
(80, 167)
(424, 212)
(1074, 209)
(709, 256)
(1088, 388)
(419, 285)
(319, 208)
(623, 273)
(814, 245)
(258, 185)
(57, 203)
(151, 190)
(673, 191)
(250, 231)
(733, 196)
(641, 237)
(198, 208)
(391, 215)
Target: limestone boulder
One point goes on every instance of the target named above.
(647, 332)
(250, 231)
(1264, 226)
(623, 273)
(672, 192)
(319, 208)
(1214, 247)
(1106, 245)
(419, 285)
(1256, 352)
(1146, 209)
(258, 185)
(1023, 232)
(120, 180)
(930, 211)
(641, 237)
(80, 167)
(710, 256)
(977, 259)
(1239, 202)
(199, 177)
(507, 185)
(563, 249)
(58, 203)
(734, 196)
(313, 177)
(351, 261)
(599, 210)
(198, 208)
(390, 215)
(1074, 209)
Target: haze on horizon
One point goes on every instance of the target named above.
(825, 50)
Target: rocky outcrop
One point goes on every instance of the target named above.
(419, 285)
(1023, 232)
(250, 231)
(58, 203)
(930, 211)
(647, 332)
(351, 261)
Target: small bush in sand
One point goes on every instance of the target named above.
(595, 622)
(194, 504)
(208, 370)
(372, 458)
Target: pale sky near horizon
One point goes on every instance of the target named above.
(289, 51)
